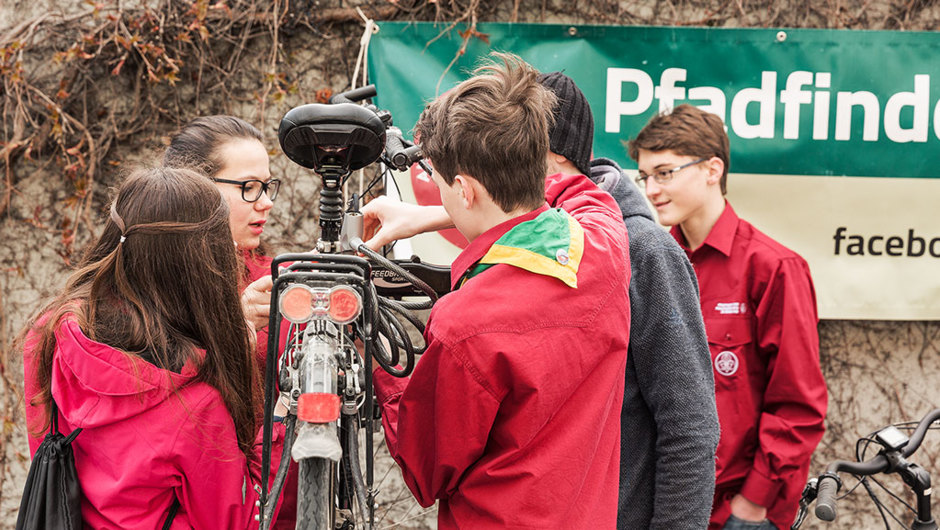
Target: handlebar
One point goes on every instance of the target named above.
(829, 483)
(353, 96)
(399, 153)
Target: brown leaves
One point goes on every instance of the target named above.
(117, 69)
(324, 94)
(472, 32)
(96, 8)
(141, 52)
(11, 66)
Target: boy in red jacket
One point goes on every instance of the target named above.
(511, 418)
(760, 317)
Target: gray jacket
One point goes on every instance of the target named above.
(669, 425)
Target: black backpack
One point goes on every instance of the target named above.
(52, 497)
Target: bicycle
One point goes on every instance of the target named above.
(895, 447)
(331, 299)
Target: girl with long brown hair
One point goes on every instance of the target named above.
(147, 350)
(231, 153)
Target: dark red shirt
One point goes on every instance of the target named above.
(512, 415)
(760, 316)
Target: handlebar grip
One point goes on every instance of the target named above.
(826, 498)
(352, 96)
(400, 154)
(407, 157)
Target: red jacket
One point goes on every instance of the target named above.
(511, 417)
(149, 435)
(760, 316)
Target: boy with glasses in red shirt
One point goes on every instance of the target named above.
(759, 308)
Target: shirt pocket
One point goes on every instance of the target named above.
(729, 340)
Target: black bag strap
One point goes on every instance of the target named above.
(54, 429)
(172, 514)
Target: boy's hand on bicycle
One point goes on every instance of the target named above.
(386, 220)
(256, 301)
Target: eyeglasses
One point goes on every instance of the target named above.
(663, 176)
(252, 189)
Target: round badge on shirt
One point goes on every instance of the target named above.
(726, 363)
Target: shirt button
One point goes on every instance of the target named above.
(562, 256)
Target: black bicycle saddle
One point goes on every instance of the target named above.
(342, 137)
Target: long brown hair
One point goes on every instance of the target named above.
(161, 283)
(196, 145)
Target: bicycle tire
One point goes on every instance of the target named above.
(315, 510)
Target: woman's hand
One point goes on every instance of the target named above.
(256, 301)
(386, 220)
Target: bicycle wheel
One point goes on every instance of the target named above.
(315, 494)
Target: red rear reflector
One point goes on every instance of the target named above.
(297, 304)
(318, 407)
(344, 304)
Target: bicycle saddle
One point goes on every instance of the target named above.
(342, 137)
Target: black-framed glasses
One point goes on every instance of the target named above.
(252, 189)
(663, 176)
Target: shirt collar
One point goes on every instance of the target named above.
(481, 245)
(721, 236)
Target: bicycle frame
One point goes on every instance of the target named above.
(327, 383)
(321, 360)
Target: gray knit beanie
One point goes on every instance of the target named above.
(573, 133)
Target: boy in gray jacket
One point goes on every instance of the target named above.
(669, 424)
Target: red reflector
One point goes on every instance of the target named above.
(344, 305)
(318, 407)
(297, 304)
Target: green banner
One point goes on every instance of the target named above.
(835, 135)
(795, 102)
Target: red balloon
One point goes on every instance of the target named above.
(427, 194)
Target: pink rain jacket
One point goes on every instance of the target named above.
(149, 436)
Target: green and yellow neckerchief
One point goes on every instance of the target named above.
(552, 244)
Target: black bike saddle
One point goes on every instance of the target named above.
(342, 137)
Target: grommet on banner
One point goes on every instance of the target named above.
(781, 36)
(572, 31)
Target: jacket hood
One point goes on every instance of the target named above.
(95, 385)
(609, 177)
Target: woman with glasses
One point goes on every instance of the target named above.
(230, 152)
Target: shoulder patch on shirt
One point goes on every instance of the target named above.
(552, 244)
